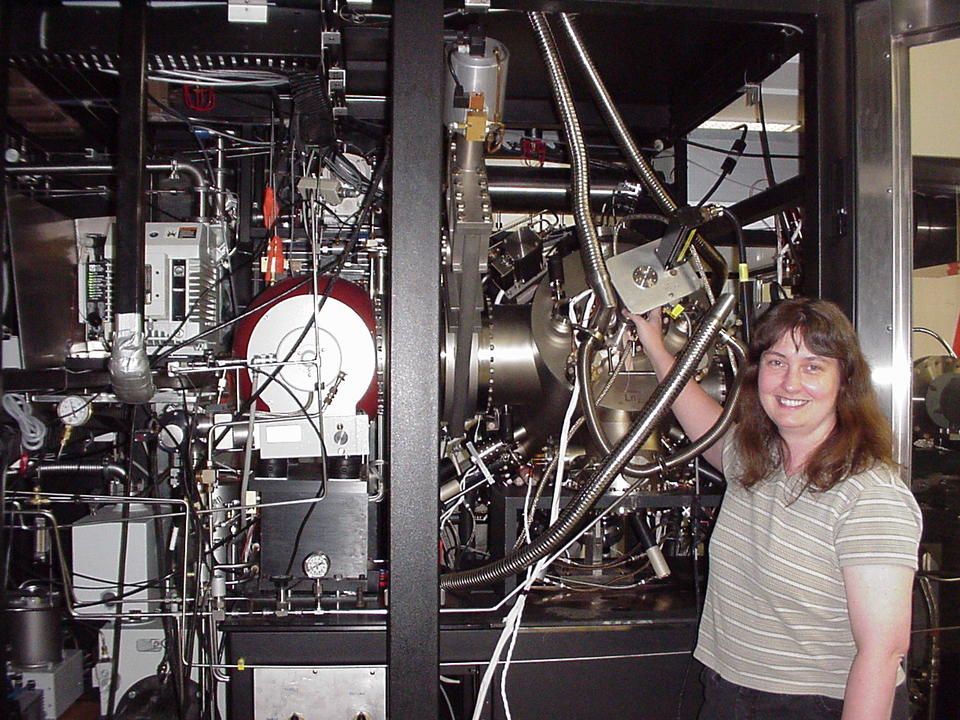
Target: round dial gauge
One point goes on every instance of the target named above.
(316, 565)
(74, 410)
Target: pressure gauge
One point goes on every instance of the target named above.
(74, 410)
(316, 565)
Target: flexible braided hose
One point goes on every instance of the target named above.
(653, 412)
(615, 120)
(596, 269)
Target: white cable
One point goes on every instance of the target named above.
(526, 512)
(32, 431)
(514, 631)
(512, 622)
(453, 715)
(508, 629)
(171, 77)
(571, 407)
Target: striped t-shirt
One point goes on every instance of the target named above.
(775, 615)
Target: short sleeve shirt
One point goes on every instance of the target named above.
(775, 614)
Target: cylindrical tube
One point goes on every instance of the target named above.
(32, 628)
(615, 121)
(596, 270)
(484, 75)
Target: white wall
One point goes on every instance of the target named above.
(935, 131)
(935, 99)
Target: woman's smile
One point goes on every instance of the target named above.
(798, 388)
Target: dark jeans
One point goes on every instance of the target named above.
(726, 701)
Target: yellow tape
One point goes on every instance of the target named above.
(241, 664)
(744, 272)
(686, 246)
(676, 311)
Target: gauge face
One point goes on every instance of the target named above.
(316, 565)
(74, 410)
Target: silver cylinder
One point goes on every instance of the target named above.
(478, 74)
(32, 629)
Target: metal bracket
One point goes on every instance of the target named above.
(643, 283)
(247, 11)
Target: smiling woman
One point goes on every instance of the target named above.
(807, 612)
(798, 392)
(808, 402)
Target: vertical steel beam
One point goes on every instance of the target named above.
(827, 251)
(884, 238)
(414, 378)
(5, 21)
(131, 145)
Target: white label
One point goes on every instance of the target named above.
(282, 433)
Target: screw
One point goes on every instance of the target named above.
(645, 276)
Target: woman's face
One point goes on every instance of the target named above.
(798, 388)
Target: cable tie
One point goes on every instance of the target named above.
(591, 332)
(663, 465)
(744, 272)
(478, 461)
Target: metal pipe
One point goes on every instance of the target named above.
(129, 365)
(573, 514)
(111, 471)
(219, 200)
(593, 263)
(532, 189)
(610, 113)
(936, 336)
(174, 167)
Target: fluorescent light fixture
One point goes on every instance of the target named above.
(752, 125)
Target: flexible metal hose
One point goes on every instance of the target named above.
(641, 167)
(108, 470)
(688, 453)
(653, 412)
(610, 113)
(719, 428)
(596, 269)
(714, 261)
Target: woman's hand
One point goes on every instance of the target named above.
(649, 330)
(696, 411)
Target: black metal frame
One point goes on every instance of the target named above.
(131, 158)
(414, 378)
(412, 644)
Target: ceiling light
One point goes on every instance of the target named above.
(736, 124)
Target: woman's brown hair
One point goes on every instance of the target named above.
(861, 437)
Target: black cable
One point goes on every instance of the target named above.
(220, 326)
(193, 131)
(321, 491)
(157, 356)
(746, 302)
(320, 494)
(153, 582)
(230, 537)
(457, 86)
(332, 278)
(121, 596)
(121, 573)
(714, 148)
(5, 457)
(780, 218)
(729, 163)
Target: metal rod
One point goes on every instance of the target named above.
(130, 251)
